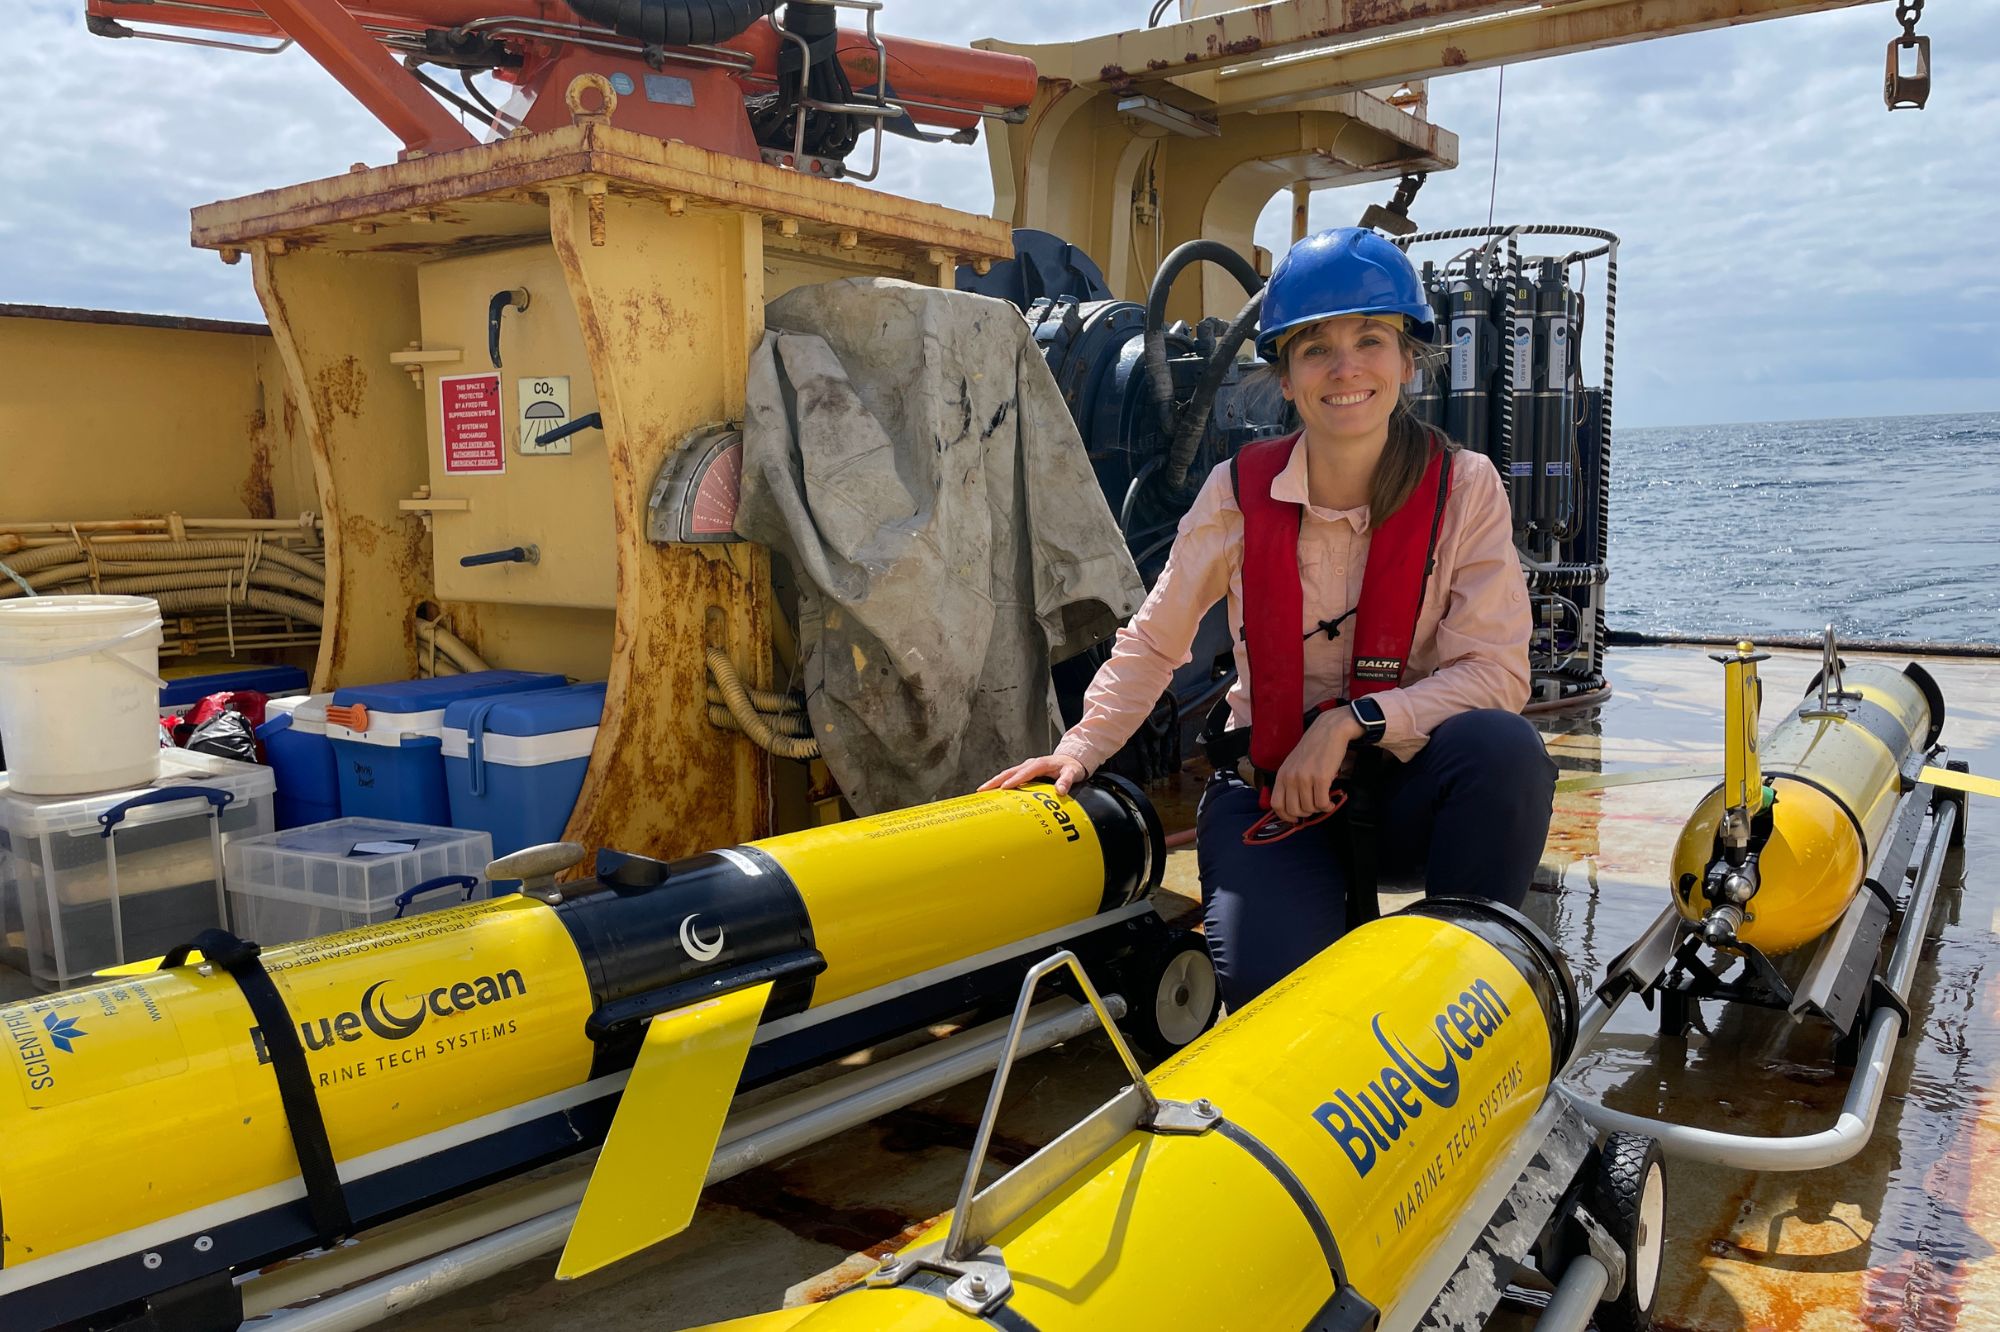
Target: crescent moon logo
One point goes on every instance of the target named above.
(384, 1023)
(696, 948)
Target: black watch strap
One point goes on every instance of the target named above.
(1373, 723)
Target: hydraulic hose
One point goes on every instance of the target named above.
(1194, 421)
(1188, 252)
(171, 578)
(212, 598)
(69, 552)
(675, 22)
(736, 700)
(764, 700)
(450, 647)
(783, 723)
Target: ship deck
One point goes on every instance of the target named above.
(1903, 1236)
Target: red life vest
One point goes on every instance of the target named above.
(1401, 554)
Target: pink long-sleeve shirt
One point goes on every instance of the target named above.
(1471, 648)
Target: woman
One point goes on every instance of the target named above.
(1407, 633)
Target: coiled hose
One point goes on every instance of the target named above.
(738, 707)
(1158, 376)
(675, 22)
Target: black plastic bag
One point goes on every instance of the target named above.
(227, 735)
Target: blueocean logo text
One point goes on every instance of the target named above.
(1368, 1121)
(373, 1014)
(1054, 806)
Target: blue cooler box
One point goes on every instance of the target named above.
(386, 741)
(184, 693)
(515, 764)
(298, 751)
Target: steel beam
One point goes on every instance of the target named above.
(1210, 42)
(334, 38)
(1481, 43)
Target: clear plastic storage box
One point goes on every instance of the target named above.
(120, 876)
(326, 877)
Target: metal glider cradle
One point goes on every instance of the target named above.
(254, 1106)
(1822, 842)
(1377, 1164)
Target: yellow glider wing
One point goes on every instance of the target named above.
(656, 1156)
(1971, 783)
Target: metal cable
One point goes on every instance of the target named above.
(1603, 552)
(1493, 188)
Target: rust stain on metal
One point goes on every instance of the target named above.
(1362, 14)
(338, 387)
(259, 500)
(1453, 56)
(452, 188)
(1240, 47)
(850, 1273)
(410, 561)
(288, 413)
(361, 533)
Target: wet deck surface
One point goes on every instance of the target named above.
(1902, 1237)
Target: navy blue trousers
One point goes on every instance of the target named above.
(1470, 812)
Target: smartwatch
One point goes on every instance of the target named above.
(1373, 723)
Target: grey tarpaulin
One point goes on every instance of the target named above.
(906, 451)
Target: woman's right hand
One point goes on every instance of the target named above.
(1065, 771)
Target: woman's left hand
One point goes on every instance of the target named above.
(1304, 786)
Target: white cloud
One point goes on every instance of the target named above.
(1790, 248)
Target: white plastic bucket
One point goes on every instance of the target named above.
(80, 693)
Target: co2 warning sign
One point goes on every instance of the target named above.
(544, 403)
(475, 439)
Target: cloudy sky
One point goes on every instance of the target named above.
(1791, 249)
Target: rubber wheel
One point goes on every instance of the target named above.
(1171, 994)
(1629, 1199)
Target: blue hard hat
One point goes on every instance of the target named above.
(1346, 271)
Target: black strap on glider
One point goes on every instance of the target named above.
(239, 957)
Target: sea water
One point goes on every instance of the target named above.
(1885, 527)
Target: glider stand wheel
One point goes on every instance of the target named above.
(1171, 994)
(1628, 1197)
